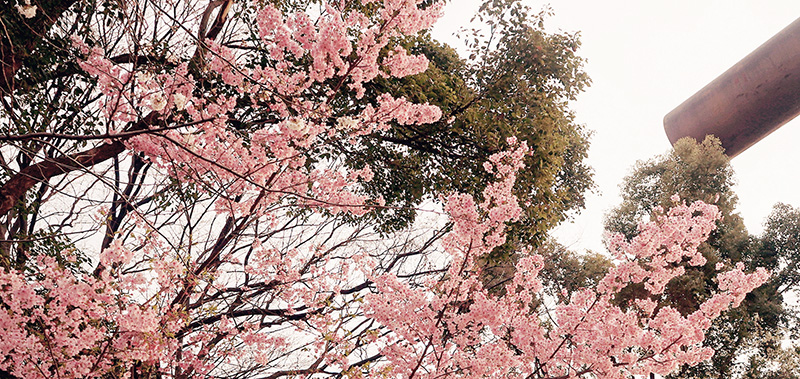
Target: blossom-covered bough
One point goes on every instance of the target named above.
(245, 254)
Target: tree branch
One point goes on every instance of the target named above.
(15, 188)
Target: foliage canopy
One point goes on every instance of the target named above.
(701, 171)
(225, 189)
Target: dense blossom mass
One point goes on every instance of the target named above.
(278, 273)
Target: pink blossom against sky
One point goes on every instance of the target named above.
(204, 311)
(645, 58)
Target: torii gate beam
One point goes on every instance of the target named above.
(753, 98)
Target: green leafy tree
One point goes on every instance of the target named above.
(566, 271)
(778, 249)
(780, 245)
(518, 83)
(773, 362)
(701, 171)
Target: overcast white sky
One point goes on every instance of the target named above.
(645, 58)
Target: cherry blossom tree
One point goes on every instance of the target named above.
(193, 231)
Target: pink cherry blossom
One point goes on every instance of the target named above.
(269, 263)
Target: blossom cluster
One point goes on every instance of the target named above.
(343, 44)
(456, 327)
(69, 325)
(295, 298)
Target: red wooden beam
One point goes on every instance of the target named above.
(749, 101)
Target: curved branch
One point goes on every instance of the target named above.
(88, 137)
(212, 32)
(15, 188)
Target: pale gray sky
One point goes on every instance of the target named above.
(645, 58)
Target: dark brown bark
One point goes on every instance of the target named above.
(12, 191)
(209, 32)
